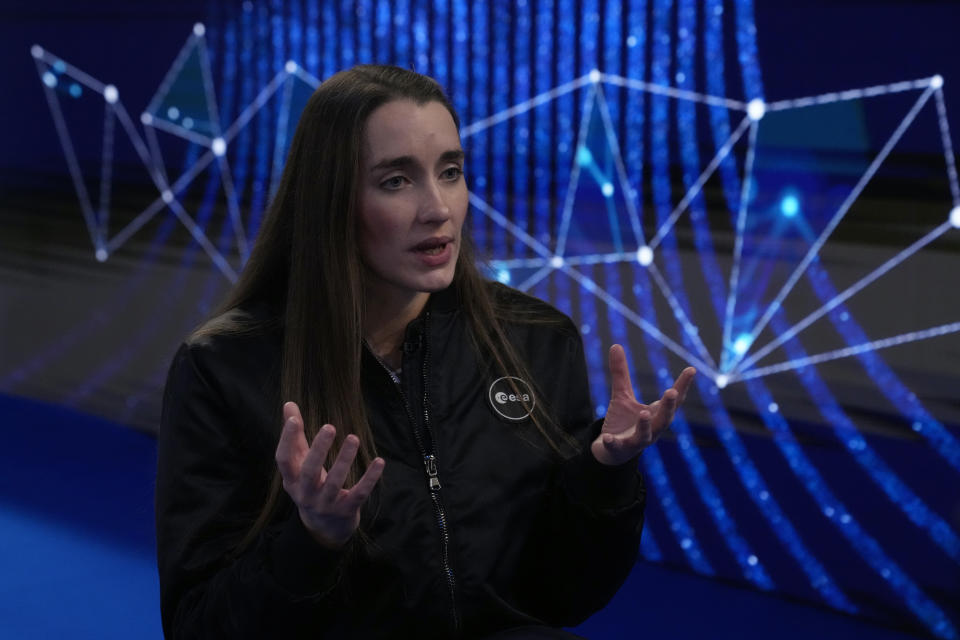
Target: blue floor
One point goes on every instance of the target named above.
(76, 550)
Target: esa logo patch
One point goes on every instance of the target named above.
(511, 398)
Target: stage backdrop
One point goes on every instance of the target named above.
(626, 163)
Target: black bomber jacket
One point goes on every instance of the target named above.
(508, 534)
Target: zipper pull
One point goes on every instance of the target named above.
(430, 462)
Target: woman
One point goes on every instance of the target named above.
(369, 440)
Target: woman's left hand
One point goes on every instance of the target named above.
(629, 426)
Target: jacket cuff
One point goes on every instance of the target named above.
(600, 485)
(301, 565)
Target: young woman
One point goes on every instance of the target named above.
(369, 440)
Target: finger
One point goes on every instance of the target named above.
(291, 449)
(666, 408)
(364, 487)
(682, 384)
(312, 471)
(341, 467)
(619, 372)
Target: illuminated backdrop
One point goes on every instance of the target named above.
(625, 164)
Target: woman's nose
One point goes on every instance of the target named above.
(433, 206)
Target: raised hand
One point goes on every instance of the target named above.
(330, 512)
(630, 426)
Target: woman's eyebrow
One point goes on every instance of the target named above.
(403, 162)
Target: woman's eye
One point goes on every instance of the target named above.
(395, 182)
(452, 173)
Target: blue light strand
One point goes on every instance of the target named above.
(521, 125)
(649, 548)
(543, 133)
(590, 18)
(313, 38)
(565, 105)
(382, 35)
(713, 55)
(634, 149)
(679, 526)
(295, 31)
(479, 107)
(906, 402)
(421, 37)
(346, 17)
(847, 433)
(750, 566)
(747, 50)
(330, 40)
(440, 12)
(742, 463)
(835, 511)
(459, 78)
(613, 44)
(364, 16)
(502, 138)
(265, 118)
(243, 141)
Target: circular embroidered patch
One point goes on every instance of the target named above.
(511, 398)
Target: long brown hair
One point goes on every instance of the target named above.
(305, 263)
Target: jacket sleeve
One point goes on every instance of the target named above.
(585, 539)
(210, 487)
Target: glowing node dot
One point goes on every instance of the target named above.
(756, 109)
(595, 75)
(752, 560)
(110, 94)
(606, 189)
(75, 90)
(631, 41)
(503, 276)
(219, 146)
(645, 256)
(101, 255)
(199, 29)
(955, 217)
(584, 157)
(167, 196)
(764, 495)
(741, 344)
(722, 381)
(790, 206)
(291, 66)
(556, 262)
(187, 123)
(36, 51)
(686, 543)
(173, 113)
(59, 66)
(773, 407)
(146, 118)
(49, 79)
(936, 81)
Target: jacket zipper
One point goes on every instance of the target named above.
(430, 465)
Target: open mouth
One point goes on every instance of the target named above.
(433, 246)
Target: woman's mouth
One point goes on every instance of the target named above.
(435, 252)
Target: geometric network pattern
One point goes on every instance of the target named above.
(604, 254)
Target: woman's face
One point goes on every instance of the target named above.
(412, 199)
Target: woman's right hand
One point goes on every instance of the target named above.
(328, 511)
